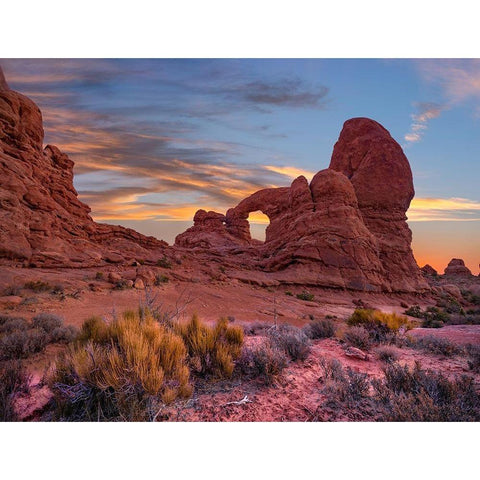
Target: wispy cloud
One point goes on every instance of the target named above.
(444, 209)
(459, 83)
(426, 111)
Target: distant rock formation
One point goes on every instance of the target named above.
(347, 229)
(457, 268)
(429, 270)
(42, 222)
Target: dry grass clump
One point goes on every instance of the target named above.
(212, 350)
(13, 381)
(324, 328)
(120, 371)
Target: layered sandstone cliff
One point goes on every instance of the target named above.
(42, 222)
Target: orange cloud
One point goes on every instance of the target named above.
(290, 172)
(444, 209)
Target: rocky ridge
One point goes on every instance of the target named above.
(42, 222)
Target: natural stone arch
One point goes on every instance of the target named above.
(259, 223)
(270, 201)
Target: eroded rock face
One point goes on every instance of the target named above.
(347, 229)
(382, 179)
(429, 270)
(42, 222)
(457, 268)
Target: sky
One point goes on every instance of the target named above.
(154, 140)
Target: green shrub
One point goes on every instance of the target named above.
(12, 290)
(38, 286)
(160, 279)
(320, 329)
(306, 296)
(288, 293)
(164, 262)
(414, 311)
(291, 340)
(99, 276)
(473, 355)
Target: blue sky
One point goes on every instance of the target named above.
(154, 140)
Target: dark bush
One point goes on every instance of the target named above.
(307, 296)
(160, 279)
(9, 325)
(47, 322)
(164, 262)
(21, 344)
(386, 354)
(262, 361)
(436, 345)
(13, 381)
(320, 329)
(12, 290)
(38, 286)
(358, 337)
(473, 357)
(290, 340)
(257, 328)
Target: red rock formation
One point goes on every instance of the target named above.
(346, 229)
(457, 268)
(380, 174)
(429, 270)
(42, 222)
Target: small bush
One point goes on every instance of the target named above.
(12, 290)
(473, 355)
(262, 361)
(414, 311)
(38, 286)
(290, 340)
(436, 345)
(21, 344)
(358, 337)
(418, 395)
(99, 276)
(164, 262)
(320, 329)
(212, 350)
(381, 326)
(256, 328)
(160, 280)
(47, 322)
(386, 354)
(58, 289)
(13, 381)
(288, 293)
(9, 325)
(306, 296)
(343, 386)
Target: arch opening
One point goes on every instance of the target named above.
(258, 225)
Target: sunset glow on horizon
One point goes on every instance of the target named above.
(153, 141)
